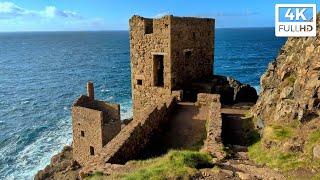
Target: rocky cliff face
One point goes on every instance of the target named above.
(290, 87)
(62, 166)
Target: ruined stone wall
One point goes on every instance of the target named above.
(111, 121)
(213, 143)
(134, 137)
(205, 99)
(111, 111)
(143, 47)
(192, 43)
(94, 125)
(110, 130)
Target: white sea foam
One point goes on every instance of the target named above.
(126, 114)
(105, 90)
(37, 155)
(25, 102)
(109, 98)
(257, 89)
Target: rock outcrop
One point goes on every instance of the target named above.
(290, 87)
(231, 91)
(62, 166)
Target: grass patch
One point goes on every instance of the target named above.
(314, 137)
(316, 177)
(95, 176)
(274, 157)
(278, 133)
(282, 132)
(175, 164)
(278, 157)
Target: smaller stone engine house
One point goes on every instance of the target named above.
(94, 124)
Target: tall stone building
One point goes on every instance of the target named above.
(167, 54)
(94, 124)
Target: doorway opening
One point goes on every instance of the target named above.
(91, 150)
(158, 70)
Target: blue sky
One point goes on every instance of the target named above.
(77, 15)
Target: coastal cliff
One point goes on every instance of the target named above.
(290, 86)
(287, 111)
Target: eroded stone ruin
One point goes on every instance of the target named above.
(177, 101)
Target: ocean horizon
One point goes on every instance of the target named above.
(42, 73)
(115, 30)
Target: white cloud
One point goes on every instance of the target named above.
(50, 18)
(52, 11)
(11, 10)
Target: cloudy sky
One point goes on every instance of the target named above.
(80, 15)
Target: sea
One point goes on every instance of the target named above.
(42, 73)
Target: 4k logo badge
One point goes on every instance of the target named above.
(295, 20)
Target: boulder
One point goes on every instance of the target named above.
(233, 91)
(316, 151)
(243, 176)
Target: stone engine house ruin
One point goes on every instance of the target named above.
(177, 101)
(95, 123)
(166, 55)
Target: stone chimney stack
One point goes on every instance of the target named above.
(90, 91)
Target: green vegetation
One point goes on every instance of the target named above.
(314, 137)
(273, 157)
(175, 164)
(277, 132)
(96, 176)
(278, 156)
(289, 81)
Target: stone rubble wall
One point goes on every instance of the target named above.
(204, 99)
(133, 137)
(213, 143)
